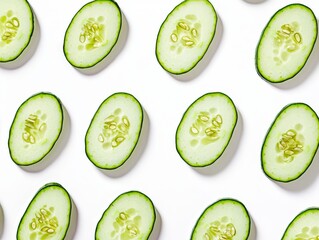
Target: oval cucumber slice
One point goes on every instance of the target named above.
(291, 143)
(205, 129)
(185, 35)
(48, 215)
(286, 43)
(130, 216)
(114, 131)
(303, 226)
(92, 33)
(16, 28)
(35, 129)
(224, 219)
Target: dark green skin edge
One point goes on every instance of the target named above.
(221, 153)
(53, 144)
(129, 192)
(31, 34)
(262, 161)
(157, 57)
(301, 67)
(139, 134)
(298, 216)
(48, 185)
(223, 200)
(118, 35)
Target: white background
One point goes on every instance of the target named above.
(179, 192)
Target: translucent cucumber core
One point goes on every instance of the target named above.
(127, 225)
(34, 128)
(9, 26)
(220, 229)
(308, 233)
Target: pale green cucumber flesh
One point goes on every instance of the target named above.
(205, 129)
(35, 129)
(224, 219)
(114, 131)
(303, 226)
(47, 216)
(286, 43)
(185, 35)
(131, 215)
(16, 28)
(290, 143)
(92, 33)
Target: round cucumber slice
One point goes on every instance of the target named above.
(291, 143)
(286, 43)
(185, 35)
(114, 131)
(303, 226)
(205, 129)
(92, 33)
(16, 28)
(48, 216)
(35, 129)
(224, 219)
(130, 216)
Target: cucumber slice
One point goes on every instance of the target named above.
(130, 216)
(304, 226)
(291, 143)
(48, 216)
(16, 28)
(286, 43)
(35, 129)
(114, 131)
(206, 129)
(92, 33)
(185, 35)
(224, 219)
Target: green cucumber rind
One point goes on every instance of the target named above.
(30, 35)
(223, 200)
(58, 135)
(204, 52)
(96, 112)
(265, 141)
(259, 70)
(125, 193)
(106, 54)
(230, 136)
(300, 215)
(47, 185)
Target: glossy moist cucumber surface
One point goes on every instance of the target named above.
(185, 35)
(205, 129)
(114, 131)
(16, 28)
(47, 216)
(291, 143)
(131, 215)
(286, 43)
(304, 226)
(35, 129)
(224, 219)
(92, 33)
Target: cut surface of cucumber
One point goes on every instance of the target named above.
(35, 129)
(224, 219)
(303, 226)
(114, 131)
(47, 216)
(16, 28)
(291, 143)
(205, 129)
(131, 215)
(92, 33)
(185, 35)
(286, 43)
